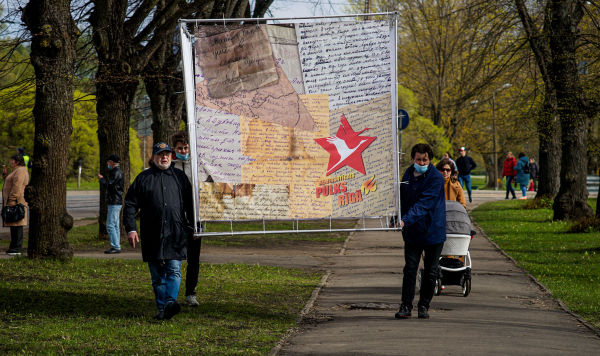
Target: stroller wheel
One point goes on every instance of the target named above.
(438, 287)
(466, 287)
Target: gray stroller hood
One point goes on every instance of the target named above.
(457, 219)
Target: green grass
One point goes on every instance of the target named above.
(270, 240)
(568, 264)
(91, 306)
(85, 185)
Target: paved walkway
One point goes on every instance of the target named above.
(506, 312)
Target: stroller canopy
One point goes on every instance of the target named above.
(457, 219)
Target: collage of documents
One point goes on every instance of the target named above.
(294, 121)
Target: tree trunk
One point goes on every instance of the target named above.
(164, 86)
(550, 151)
(114, 103)
(571, 200)
(54, 35)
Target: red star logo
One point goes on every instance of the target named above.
(345, 148)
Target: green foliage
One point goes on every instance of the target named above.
(135, 155)
(568, 264)
(16, 121)
(539, 203)
(105, 306)
(420, 129)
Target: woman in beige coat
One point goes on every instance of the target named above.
(13, 192)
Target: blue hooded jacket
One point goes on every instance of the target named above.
(522, 177)
(423, 207)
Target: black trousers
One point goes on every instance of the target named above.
(412, 256)
(193, 267)
(16, 238)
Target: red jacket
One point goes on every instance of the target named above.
(509, 167)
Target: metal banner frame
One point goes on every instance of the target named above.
(187, 48)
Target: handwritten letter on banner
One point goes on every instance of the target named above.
(295, 120)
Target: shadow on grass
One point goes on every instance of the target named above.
(19, 303)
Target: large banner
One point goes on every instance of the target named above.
(295, 121)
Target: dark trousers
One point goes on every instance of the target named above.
(509, 187)
(16, 238)
(193, 267)
(412, 256)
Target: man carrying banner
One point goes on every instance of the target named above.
(163, 195)
(423, 224)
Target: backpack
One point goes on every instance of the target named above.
(526, 168)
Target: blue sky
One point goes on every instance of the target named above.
(307, 8)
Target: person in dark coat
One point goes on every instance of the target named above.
(465, 165)
(114, 201)
(163, 196)
(423, 223)
(534, 173)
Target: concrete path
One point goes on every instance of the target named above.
(506, 312)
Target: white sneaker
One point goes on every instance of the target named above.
(191, 300)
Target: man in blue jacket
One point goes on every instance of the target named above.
(423, 223)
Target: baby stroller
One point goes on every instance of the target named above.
(455, 259)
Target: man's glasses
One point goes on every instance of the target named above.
(445, 170)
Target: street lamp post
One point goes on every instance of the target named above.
(494, 140)
(494, 133)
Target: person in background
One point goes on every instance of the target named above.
(13, 193)
(163, 197)
(452, 188)
(534, 173)
(114, 201)
(182, 161)
(26, 159)
(509, 172)
(465, 165)
(522, 168)
(447, 155)
(423, 211)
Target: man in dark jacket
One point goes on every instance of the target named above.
(114, 201)
(163, 195)
(423, 223)
(465, 165)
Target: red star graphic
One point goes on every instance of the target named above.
(345, 148)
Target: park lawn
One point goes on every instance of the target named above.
(98, 306)
(86, 237)
(568, 264)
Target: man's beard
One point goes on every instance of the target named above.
(162, 166)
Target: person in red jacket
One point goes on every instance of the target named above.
(509, 172)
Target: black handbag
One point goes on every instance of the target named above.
(11, 214)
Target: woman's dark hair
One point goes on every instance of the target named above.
(446, 161)
(18, 159)
(521, 154)
(421, 148)
(180, 136)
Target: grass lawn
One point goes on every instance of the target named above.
(85, 237)
(567, 263)
(91, 306)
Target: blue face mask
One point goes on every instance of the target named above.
(420, 169)
(109, 167)
(182, 157)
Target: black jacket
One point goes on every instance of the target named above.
(164, 199)
(465, 165)
(114, 186)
